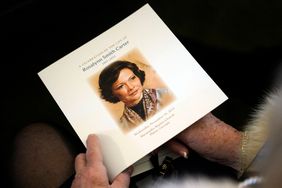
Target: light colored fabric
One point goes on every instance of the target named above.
(192, 182)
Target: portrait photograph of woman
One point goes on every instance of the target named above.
(132, 90)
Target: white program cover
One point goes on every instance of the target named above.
(143, 39)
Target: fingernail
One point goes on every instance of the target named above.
(185, 155)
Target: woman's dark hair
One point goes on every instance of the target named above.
(111, 73)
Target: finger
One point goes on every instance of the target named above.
(80, 162)
(123, 179)
(93, 153)
(178, 148)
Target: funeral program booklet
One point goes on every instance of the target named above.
(135, 86)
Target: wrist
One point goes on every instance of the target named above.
(216, 141)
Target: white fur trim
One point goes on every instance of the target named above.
(194, 182)
(258, 128)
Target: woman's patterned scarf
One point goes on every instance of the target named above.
(131, 118)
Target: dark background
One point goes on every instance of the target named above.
(238, 43)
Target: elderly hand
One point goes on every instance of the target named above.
(212, 139)
(91, 172)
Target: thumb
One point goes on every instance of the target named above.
(123, 179)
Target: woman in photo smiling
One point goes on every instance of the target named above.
(123, 81)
